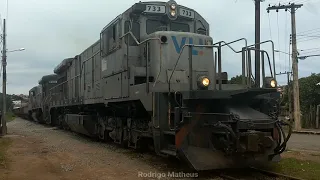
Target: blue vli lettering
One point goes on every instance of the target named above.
(178, 46)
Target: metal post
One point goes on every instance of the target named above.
(147, 66)
(263, 70)
(4, 82)
(257, 42)
(219, 67)
(190, 69)
(244, 66)
(317, 119)
(249, 69)
(215, 71)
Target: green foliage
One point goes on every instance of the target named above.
(237, 80)
(10, 116)
(309, 91)
(309, 94)
(9, 104)
(298, 168)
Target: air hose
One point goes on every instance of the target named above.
(281, 148)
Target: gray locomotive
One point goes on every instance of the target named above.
(155, 78)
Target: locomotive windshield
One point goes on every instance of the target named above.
(155, 25)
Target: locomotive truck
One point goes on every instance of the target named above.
(155, 77)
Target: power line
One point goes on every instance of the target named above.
(309, 31)
(308, 36)
(313, 51)
(309, 49)
(309, 39)
(285, 38)
(278, 37)
(270, 26)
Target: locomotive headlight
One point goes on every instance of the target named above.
(173, 6)
(203, 82)
(273, 83)
(173, 13)
(270, 82)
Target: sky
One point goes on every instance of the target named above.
(51, 31)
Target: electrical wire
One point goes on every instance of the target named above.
(310, 31)
(309, 49)
(306, 36)
(279, 39)
(285, 38)
(304, 40)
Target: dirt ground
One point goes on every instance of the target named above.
(38, 152)
(45, 153)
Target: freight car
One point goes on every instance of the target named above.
(155, 77)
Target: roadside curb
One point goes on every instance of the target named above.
(307, 132)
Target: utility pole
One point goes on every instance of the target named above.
(257, 41)
(4, 81)
(296, 99)
(288, 91)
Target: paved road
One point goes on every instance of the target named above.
(304, 142)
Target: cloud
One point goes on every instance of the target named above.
(51, 31)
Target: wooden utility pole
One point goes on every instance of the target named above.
(288, 92)
(4, 81)
(296, 99)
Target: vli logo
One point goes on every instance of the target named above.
(178, 46)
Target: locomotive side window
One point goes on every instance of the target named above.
(201, 29)
(108, 38)
(155, 25)
(180, 27)
(135, 31)
(104, 42)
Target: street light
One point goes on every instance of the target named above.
(305, 57)
(21, 49)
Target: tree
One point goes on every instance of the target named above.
(9, 103)
(238, 80)
(309, 91)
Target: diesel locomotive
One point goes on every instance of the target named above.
(155, 77)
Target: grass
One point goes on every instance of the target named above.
(10, 116)
(298, 168)
(4, 144)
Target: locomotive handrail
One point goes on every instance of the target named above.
(209, 46)
(227, 44)
(82, 64)
(272, 46)
(139, 43)
(263, 51)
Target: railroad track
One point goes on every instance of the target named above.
(256, 173)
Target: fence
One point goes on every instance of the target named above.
(308, 118)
